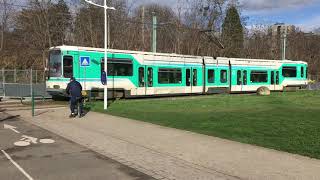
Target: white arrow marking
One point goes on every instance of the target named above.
(6, 126)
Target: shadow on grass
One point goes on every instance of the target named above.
(98, 106)
(86, 110)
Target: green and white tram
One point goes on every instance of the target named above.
(134, 73)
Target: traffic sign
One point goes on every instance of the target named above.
(84, 61)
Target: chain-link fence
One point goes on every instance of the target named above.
(314, 77)
(20, 83)
(314, 82)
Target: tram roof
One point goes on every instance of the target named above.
(208, 60)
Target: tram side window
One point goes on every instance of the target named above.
(55, 68)
(169, 76)
(67, 66)
(277, 78)
(307, 72)
(289, 71)
(141, 77)
(223, 76)
(238, 77)
(259, 76)
(118, 67)
(302, 72)
(211, 76)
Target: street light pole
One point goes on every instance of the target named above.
(105, 93)
(105, 47)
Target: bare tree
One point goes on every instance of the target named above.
(44, 23)
(5, 10)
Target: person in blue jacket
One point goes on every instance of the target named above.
(74, 90)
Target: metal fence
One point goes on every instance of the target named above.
(314, 82)
(314, 77)
(20, 83)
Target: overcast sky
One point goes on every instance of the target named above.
(302, 13)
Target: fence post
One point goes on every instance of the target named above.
(31, 82)
(3, 82)
(15, 76)
(36, 76)
(32, 104)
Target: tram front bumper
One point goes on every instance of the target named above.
(57, 92)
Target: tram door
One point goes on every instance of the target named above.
(194, 81)
(188, 81)
(141, 90)
(277, 79)
(273, 80)
(242, 80)
(145, 81)
(150, 80)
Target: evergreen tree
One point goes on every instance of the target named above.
(232, 33)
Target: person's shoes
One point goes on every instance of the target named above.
(72, 115)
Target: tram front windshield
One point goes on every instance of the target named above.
(55, 65)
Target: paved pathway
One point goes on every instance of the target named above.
(166, 153)
(29, 152)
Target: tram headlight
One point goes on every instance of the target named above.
(56, 86)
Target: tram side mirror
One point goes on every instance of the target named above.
(104, 78)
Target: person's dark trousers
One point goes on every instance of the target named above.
(76, 102)
(73, 104)
(80, 104)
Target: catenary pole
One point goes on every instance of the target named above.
(154, 33)
(284, 43)
(142, 27)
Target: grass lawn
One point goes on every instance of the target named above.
(283, 121)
